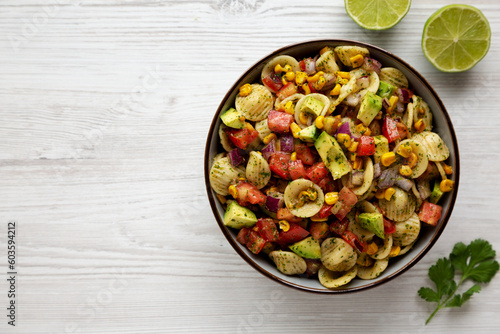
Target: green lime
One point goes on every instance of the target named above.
(456, 38)
(377, 14)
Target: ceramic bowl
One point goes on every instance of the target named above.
(428, 236)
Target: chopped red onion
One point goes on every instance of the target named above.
(357, 177)
(269, 149)
(400, 107)
(363, 82)
(377, 170)
(386, 103)
(344, 128)
(236, 157)
(274, 202)
(286, 143)
(404, 95)
(404, 183)
(276, 80)
(310, 66)
(388, 177)
(371, 64)
(352, 99)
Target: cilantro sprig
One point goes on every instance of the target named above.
(474, 262)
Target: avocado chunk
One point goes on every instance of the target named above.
(237, 216)
(436, 193)
(332, 155)
(370, 106)
(308, 248)
(309, 134)
(385, 89)
(381, 147)
(373, 222)
(312, 105)
(232, 119)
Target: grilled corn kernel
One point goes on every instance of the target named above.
(290, 76)
(357, 60)
(300, 77)
(325, 49)
(388, 159)
(420, 125)
(315, 77)
(343, 75)
(249, 127)
(269, 138)
(372, 248)
(319, 122)
(289, 108)
(241, 179)
(394, 251)
(242, 118)
(358, 163)
(363, 129)
(447, 169)
(354, 146)
(233, 191)
(303, 117)
(331, 198)
(392, 101)
(389, 192)
(336, 90)
(279, 69)
(412, 160)
(284, 225)
(380, 194)
(293, 156)
(245, 90)
(222, 199)
(404, 150)
(317, 219)
(379, 115)
(284, 81)
(405, 170)
(344, 139)
(344, 81)
(271, 190)
(318, 85)
(306, 89)
(446, 185)
(295, 129)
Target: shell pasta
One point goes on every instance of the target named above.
(328, 166)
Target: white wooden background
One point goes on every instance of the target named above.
(104, 111)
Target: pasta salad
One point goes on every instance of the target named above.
(329, 166)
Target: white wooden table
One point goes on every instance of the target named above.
(104, 111)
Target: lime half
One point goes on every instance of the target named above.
(456, 38)
(377, 14)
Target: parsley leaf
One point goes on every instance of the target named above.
(474, 261)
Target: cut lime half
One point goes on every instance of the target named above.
(377, 14)
(456, 38)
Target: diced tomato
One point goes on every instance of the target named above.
(304, 153)
(389, 227)
(255, 242)
(242, 236)
(353, 240)
(273, 82)
(278, 162)
(390, 129)
(319, 230)
(294, 234)
(308, 65)
(430, 213)
(241, 138)
(285, 214)
(326, 184)
(267, 229)
(402, 130)
(347, 200)
(287, 90)
(249, 194)
(366, 146)
(325, 211)
(317, 172)
(296, 169)
(279, 122)
(339, 226)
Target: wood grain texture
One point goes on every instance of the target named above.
(104, 112)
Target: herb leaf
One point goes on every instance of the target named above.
(474, 261)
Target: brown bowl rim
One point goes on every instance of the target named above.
(370, 284)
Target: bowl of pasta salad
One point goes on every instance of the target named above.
(331, 166)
